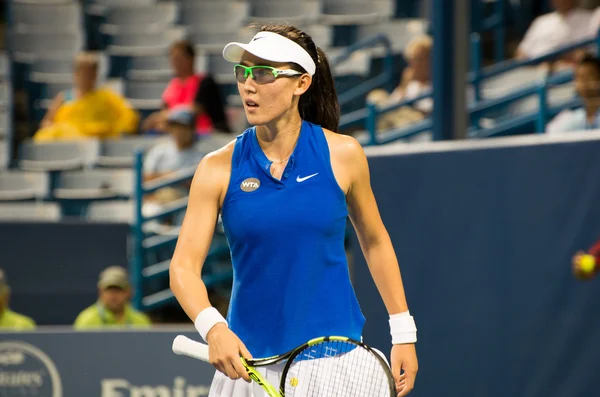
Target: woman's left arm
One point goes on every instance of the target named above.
(381, 258)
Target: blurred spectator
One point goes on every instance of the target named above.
(112, 308)
(416, 81)
(568, 24)
(10, 320)
(416, 77)
(587, 85)
(87, 111)
(178, 151)
(198, 91)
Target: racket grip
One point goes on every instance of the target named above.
(184, 346)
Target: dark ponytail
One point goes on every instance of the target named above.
(319, 104)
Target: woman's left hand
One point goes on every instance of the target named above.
(404, 359)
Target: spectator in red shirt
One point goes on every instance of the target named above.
(198, 91)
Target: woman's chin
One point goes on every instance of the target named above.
(255, 119)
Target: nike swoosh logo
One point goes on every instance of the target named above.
(299, 179)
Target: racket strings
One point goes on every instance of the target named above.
(337, 369)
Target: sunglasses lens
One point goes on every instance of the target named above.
(240, 73)
(263, 75)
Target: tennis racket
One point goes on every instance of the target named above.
(330, 366)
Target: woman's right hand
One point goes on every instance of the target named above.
(224, 351)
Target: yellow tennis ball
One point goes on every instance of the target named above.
(294, 382)
(587, 263)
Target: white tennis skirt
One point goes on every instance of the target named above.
(222, 386)
(349, 386)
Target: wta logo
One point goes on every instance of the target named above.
(250, 185)
(25, 370)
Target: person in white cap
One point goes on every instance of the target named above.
(284, 189)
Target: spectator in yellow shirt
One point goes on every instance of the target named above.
(112, 308)
(9, 320)
(87, 111)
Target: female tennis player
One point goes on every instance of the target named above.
(284, 189)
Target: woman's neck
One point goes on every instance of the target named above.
(278, 138)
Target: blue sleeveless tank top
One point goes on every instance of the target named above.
(290, 274)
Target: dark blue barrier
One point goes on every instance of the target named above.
(53, 268)
(102, 364)
(484, 235)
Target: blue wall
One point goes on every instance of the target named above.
(53, 268)
(484, 239)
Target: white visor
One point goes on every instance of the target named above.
(271, 47)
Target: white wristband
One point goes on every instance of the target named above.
(207, 319)
(403, 328)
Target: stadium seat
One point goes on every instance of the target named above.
(58, 156)
(4, 125)
(19, 185)
(41, 2)
(57, 70)
(132, 19)
(94, 184)
(355, 12)
(221, 69)
(213, 42)
(504, 84)
(30, 211)
(111, 211)
(155, 67)
(26, 47)
(120, 152)
(211, 15)
(322, 35)
(101, 7)
(4, 65)
(298, 12)
(4, 156)
(359, 64)
(46, 17)
(145, 95)
(400, 31)
(139, 44)
(5, 94)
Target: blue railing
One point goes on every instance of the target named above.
(373, 112)
(145, 243)
(477, 76)
(480, 106)
(382, 79)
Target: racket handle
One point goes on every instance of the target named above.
(184, 346)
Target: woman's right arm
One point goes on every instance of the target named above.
(206, 194)
(196, 235)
